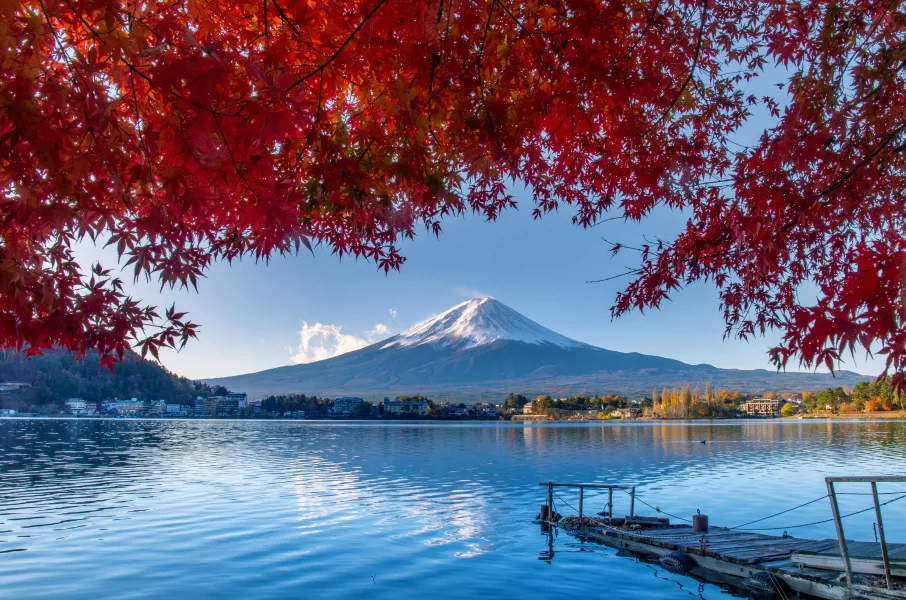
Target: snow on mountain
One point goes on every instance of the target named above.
(478, 322)
(484, 349)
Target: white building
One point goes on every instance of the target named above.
(13, 386)
(406, 407)
(485, 409)
(175, 410)
(129, 407)
(76, 406)
(345, 406)
(242, 399)
(762, 407)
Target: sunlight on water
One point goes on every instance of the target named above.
(216, 509)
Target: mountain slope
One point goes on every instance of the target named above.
(482, 348)
(57, 375)
(479, 322)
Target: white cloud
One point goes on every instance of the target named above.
(379, 329)
(392, 312)
(320, 341)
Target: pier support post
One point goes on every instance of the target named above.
(550, 502)
(884, 556)
(581, 498)
(632, 502)
(610, 506)
(838, 523)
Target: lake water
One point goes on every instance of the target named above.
(264, 509)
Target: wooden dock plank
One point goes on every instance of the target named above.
(861, 550)
(785, 565)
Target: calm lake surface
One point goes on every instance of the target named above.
(263, 509)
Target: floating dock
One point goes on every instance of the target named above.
(762, 565)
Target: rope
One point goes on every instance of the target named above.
(870, 494)
(566, 503)
(783, 512)
(858, 512)
(777, 585)
(780, 513)
(658, 509)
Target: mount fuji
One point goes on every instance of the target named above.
(481, 348)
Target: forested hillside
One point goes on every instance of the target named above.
(57, 376)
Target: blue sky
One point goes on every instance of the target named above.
(301, 308)
(252, 316)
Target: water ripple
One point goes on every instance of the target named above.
(217, 509)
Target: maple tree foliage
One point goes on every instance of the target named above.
(186, 132)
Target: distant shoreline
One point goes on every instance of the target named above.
(886, 414)
(876, 416)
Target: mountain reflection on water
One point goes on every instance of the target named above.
(215, 509)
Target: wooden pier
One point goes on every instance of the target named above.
(762, 565)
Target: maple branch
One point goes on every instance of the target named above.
(286, 20)
(884, 143)
(138, 120)
(530, 35)
(484, 101)
(630, 272)
(434, 62)
(317, 118)
(608, 219)
(619, 246)
(638, 40)
(698, 47)
(86, 24)
(226, 142)
(333, 56)
(62, 50)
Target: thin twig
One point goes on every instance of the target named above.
(333, 56)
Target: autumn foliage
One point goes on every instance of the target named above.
(191, 131)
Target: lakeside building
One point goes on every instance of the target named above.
(241, 398)
(91, 408)
(485, 409)
(76, 406)
(529, 409)
(8, 412)
(762, 407)
(406, 407)
(632, 412)
(199, 405)
(345, 406)
(176, 410)
(209, 405)
(13, 386)
(133, 406)
(227, 406)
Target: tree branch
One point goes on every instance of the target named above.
(333, 56)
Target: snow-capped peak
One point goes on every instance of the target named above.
(477, 322)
